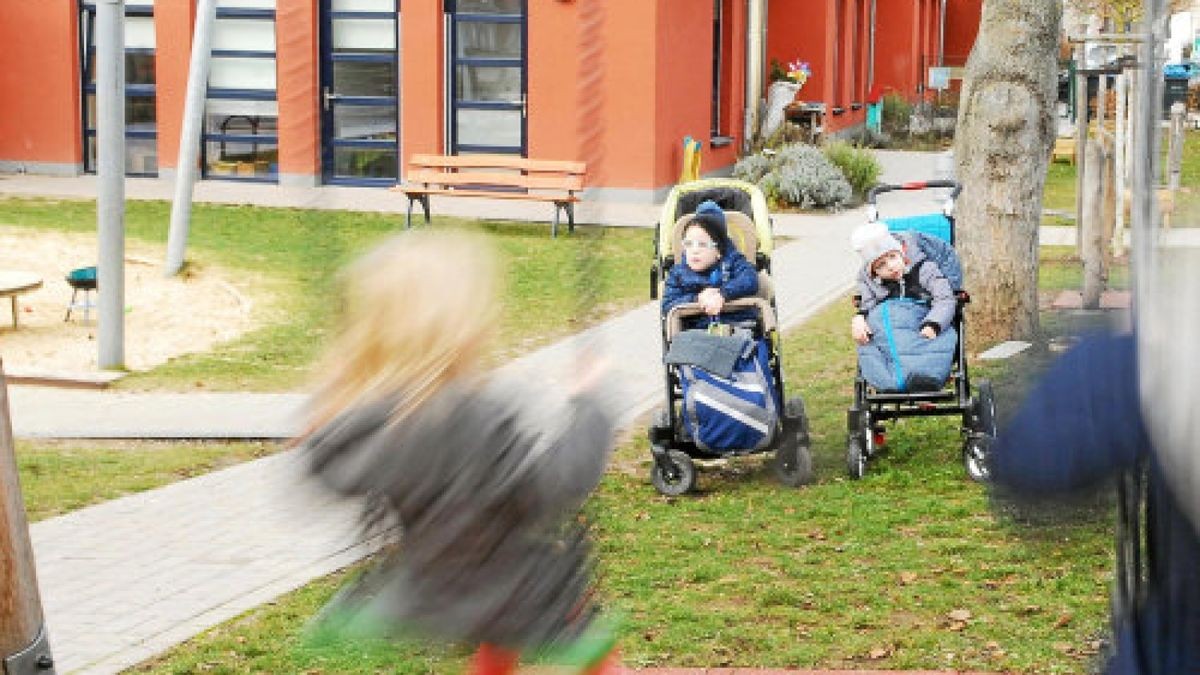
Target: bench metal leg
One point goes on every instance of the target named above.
(424, 201)
(569, 208)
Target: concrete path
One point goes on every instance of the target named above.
(127, 579)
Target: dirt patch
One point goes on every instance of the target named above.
(164, 317)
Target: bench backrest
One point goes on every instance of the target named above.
(496, 171)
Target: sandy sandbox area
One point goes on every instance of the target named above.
(164, 317)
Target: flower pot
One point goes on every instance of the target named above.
(781, 93)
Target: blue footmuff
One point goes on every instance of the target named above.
(898, 358)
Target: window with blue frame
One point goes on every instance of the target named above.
(360, 92)
(241, 113)
(141, 122)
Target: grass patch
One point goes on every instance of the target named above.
(300, 251)
(61, 476)
(907, 568)
(1059, 192)
(1060, 268)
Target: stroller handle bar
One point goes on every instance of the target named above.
(880, 188)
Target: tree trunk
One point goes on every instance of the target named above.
(1006, 128)
(20, 604)
(1092, 228)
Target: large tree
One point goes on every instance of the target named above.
(1006, 127)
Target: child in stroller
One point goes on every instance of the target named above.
(724, 389)
(909, 333)
(711, 270)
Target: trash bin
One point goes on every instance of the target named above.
(1175, 86)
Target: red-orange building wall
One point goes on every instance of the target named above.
(39, 86)
(173, 21)
(618, 83)
(962, 27)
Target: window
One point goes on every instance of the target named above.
(241, 114)
(721, 74)
(141, 124)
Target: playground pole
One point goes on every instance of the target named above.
(110, 166)
(189, 137)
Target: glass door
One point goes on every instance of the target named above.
(487, 76)
(360, 93)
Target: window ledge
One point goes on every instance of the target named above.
(720, 141)
(839, 110)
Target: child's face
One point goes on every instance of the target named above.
(699, 249)
(889, 266)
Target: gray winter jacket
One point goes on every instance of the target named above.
(923, 279)
(490, 550)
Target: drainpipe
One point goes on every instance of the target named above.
(871, 50)
(942, 36)
(756, 45)
(189, 136)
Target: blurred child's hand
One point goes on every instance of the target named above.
(590, 370)
(928, 333)
(859, 329)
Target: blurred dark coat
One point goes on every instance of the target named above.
(1082, 425)
(490, 549)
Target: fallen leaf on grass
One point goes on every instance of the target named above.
(1063, 620)
(881, 652)
(907, 578)
(959, 615)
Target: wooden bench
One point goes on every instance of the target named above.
(494, 176)
(1064, 149)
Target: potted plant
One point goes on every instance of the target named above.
(786, 83)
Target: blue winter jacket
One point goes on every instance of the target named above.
(1080, 426)
(733, 275)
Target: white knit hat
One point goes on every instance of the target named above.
(873, 240)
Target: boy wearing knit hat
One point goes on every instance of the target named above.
(711, 271)
(895, 268)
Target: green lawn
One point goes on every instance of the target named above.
(907, 568)
(1059, 192)
(61, 476)
(298, 252)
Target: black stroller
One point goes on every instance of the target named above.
(875, 405)
(673, 447)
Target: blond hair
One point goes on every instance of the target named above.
(418, 311)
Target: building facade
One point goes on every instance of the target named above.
(313, 92)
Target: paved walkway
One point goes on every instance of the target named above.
(127, 579)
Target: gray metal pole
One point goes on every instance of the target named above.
(189, 137)
(110, 166)
(1144, 157)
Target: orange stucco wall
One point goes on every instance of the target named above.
(173, 21)
(297, 87)
(422, 89)
(962, 27)
(897, 41)
(39, 83)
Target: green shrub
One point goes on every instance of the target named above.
(796, 175)
(896, 113)
(858, 165)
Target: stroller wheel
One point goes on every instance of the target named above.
(676, 479)
(856, 458)
(975, 457)
(793, 460)
(984, 409)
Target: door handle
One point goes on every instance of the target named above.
(327, 97)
